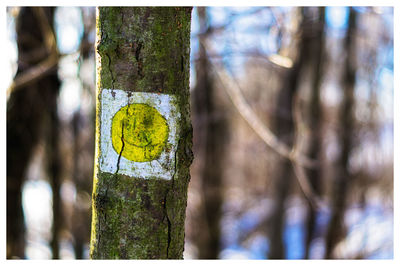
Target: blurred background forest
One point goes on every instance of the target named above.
(292, 111)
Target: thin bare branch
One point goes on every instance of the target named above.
(299, 128)
(34, 73)
(47, 64)
(255, 123)
(298, 160)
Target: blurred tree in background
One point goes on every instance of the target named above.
(47, 139)
(32, 117)
(210, 139)
(292, 111)
(289, 179)
(342, 179)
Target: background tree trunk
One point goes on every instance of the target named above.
(336, 229)
(209, 147)
(284, 128)
(27, 108)
(143, 50)
(81, 216)
(54, 170)
(83, 145)
(316, 52)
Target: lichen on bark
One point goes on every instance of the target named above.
(142, 49)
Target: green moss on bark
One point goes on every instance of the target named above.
(131, 221)
(139, 47)
(143, 49)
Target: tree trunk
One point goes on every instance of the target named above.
(83, 147)
(142, 169)
(209, 149)
(26, 109)
(336, 229)
(285, 131)
(316, 51)
(81, 170)
(53, 157)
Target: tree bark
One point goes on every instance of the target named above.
(142, 49)
(336, 229)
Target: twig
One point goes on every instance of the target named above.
(34, 73)
(315, 201)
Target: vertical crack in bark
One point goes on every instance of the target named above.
(168, 222)
(138, 48)
(122, 148)
(111, 72)
(165, 204)
(100, 205)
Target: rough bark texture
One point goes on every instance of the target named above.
(316, 52)
(27, 108)
(336, 229)
(143, 49)
(209, 149)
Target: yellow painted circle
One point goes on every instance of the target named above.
(140, 131)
